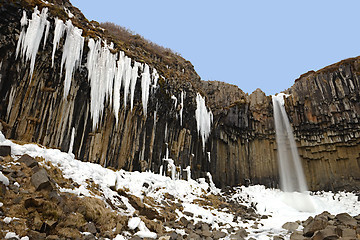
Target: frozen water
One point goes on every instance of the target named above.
(72, 141)
(182, 96)
(145, 87)
(117, 84)
(58, 34)
(204, 119)
(134, 77)
(72, 54)
(30, 37)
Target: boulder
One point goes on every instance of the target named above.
(28, 161)
(328, 233)
(346, 219)
(218, 234)
(290, 226)
(314, 225)
(41, 180)
(5, 151)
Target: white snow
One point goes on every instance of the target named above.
(7, 220)
(70, 15)
(134, 223)
(72, 54)
(1, 204)
(30, 37)
(204, 119)
(11, 235)
(4, 179)
(58, 34)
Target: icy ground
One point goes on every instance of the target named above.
(270, 202)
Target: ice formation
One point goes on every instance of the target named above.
(30, 37)
(117, 84)
(175, 100)
(134, 77)
(58, 33)
(72, 54)
(181, 106)
(204, 119)
(145, 87)
(107, 72)
(71, 146)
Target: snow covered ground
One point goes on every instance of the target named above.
(271, 202)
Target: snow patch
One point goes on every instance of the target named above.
(4, 179)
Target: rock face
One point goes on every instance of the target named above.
(323, 107)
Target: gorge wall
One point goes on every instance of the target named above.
(130, 121)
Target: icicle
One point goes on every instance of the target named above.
(145, 87)
(29, 41)
(155, 77)
(204, 119)
(127, 78)
(134, 76)
(175, 99)
(58, 33)
(171, 165)
(102, 70)
(72, 54)
(72, 141)
(181, 107)
(188, 171)
(209, 156)
(117, 84)
(23, 23)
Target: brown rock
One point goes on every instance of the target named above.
(328, 233)
(90, 227)
(28, 161)
(41, 180)
(5, 151)
(297, 236)
(290, 226)
(218, 234)
(346, 219)
(315, 225)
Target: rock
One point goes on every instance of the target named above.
(205, 227)
(348, 232)
(5, 151)
(36, 235)
(346, 219)
(41, 180)
(297, 236)
(184, 221)
(218, 234)
(189, 214)
(206, 233)
(328, 233)
(314, 225)
(28, 161)
(90, 227)
(193, 236)
(52, 237)
(240, 234)
(31, 202)
(136, 238)
(164, 238)
(290, 226)
(174, 236)
(278, 238)
(89, 237)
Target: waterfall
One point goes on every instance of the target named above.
(292, 178)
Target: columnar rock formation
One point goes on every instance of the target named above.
(137, 118)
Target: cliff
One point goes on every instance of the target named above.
(74, 86)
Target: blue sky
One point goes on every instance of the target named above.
(252, 44)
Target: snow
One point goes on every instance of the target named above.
(30, 37)
(72, 54)
(70, 15)
(145, 87)
(4, 179)
(271, 202)
(58, 34)
(11, 235)
(1, 204)
(7, 220)
(204, 119)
